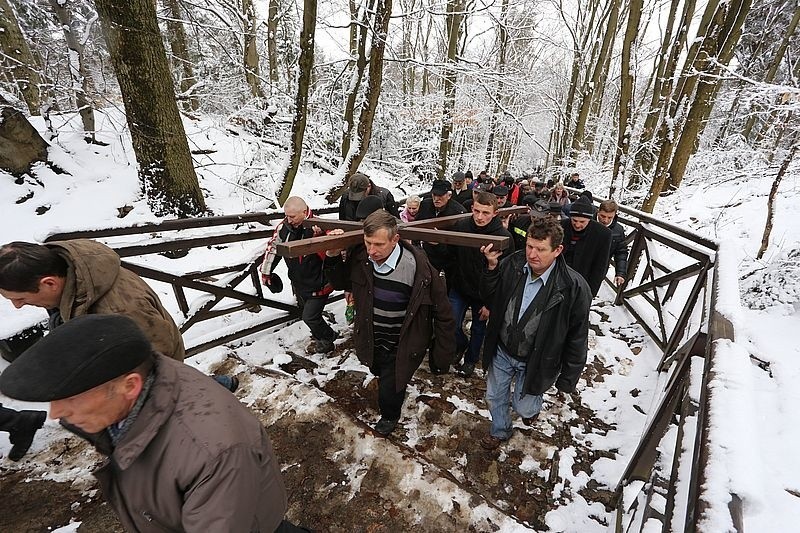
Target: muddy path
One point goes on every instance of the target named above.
(430, 475)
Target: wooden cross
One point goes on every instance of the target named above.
(428, 230)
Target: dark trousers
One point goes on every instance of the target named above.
(311, 308)
(7, 418)
(390, 401)
(470, 347)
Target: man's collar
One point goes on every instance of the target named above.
(391, 261)
(545, 276)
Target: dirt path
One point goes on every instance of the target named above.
(430, 475)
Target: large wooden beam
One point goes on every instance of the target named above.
(320, 244)
(455, 238)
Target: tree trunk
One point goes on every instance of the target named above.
(662, 87)
(81, 80)
(719, 53)
(20, 144)
(17, 59)
(180, 53)
(502, 37)
(373, 91)
(251, 59)
(719, 37)
(578, 140)
(305, 65)
(159, 140)
(455, 16)
(625, 124)
(272, 43)
(773, 194)
(357, 75)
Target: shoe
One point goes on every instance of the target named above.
(530, 421)
(385, 426)
(26, 424)
(324, 346)
(490, 442)
(467, 369)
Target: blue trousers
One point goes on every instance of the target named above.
(505, 370)
(472, 345)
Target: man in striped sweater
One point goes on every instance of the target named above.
(402, 311)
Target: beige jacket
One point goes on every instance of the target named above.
(97, 284)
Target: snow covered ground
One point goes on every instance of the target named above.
(432, 475)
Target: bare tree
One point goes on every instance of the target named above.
(180, 54)
(625, 124)
(773, 194)
(455, 17)
(81, 78)
(251, 58)
(305, 65)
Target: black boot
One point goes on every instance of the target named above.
(22, 430)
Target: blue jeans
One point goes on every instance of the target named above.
(503, 371)
(472, 345)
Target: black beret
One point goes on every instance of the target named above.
(77, 356)
(500, 190)
(275, 285)
(441, 187)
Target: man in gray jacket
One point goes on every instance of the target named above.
(182, 453)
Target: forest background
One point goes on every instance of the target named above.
(417, 89)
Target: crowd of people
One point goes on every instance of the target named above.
(183, 453)
(528, 304)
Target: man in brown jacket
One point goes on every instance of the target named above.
(75, 278)
(402, 311)
(182, 453)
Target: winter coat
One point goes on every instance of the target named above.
(563, 199)
(428, 324)
(195, 459)
(347, 207)
(438, 254)
(98, 285)
(619, 250)
(468, 264)
(558, 353)
(589, 255)
(462, 196)
(305, 272)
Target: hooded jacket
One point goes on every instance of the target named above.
(558, 353)
(97, 284)
(428, 324)
(468, 264)
(194, 460)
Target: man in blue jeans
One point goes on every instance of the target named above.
(468, 265)
(538, 329)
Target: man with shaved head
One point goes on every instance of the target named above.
(305, 273)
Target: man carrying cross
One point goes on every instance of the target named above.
(402, 310)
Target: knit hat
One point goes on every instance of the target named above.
(357, 186)
(581, 208)
(79, 355)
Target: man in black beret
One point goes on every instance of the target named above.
(181, 451)
(587, 243)
(440, 204)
